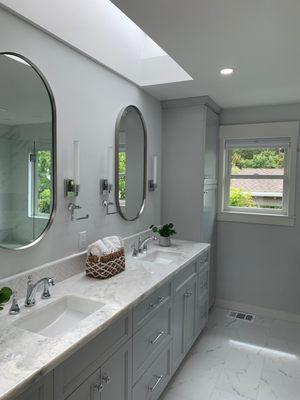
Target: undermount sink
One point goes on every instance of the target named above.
(59, 317)
(162, 257)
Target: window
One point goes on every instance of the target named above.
(40, 184)
(257, 173)
(122, 177)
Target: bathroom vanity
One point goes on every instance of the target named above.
(149, 317)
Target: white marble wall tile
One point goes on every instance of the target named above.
(60, 269)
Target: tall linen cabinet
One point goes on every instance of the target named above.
(189, 171)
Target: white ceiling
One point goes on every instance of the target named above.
(260, 38)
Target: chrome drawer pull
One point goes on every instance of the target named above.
(159, 378)
(98, 387)
(159, 301)
(188, 294)
(157, 337)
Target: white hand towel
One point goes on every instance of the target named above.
(98, 248)
(113, 243)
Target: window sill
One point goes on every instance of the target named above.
(248, 218)
(39, 216)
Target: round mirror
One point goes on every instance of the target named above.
(130, 163)
(27, 153)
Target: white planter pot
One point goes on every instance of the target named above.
(165, 241)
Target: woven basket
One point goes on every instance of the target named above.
(105, 267)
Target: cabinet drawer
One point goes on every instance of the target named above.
(155, 379)
(71, 373)
(183, 276)
(148, 307)
(149, 340)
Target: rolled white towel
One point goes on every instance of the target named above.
(113, 243)
(98, 248)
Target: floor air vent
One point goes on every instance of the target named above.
(242, 316)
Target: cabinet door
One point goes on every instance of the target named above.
(190, 298)
(178, 327)
(116, 375)
(90, 389)
(202, 298)
(42, 390)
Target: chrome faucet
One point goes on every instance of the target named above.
(143, 244)
(32, 288)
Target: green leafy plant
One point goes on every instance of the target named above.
(166, 230)
(5, 295)
(238, 198)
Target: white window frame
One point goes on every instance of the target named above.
(32, 176)
(277, 132)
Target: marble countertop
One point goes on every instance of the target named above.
(25, 356)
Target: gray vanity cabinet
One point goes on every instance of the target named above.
(42, 390)
(202, 298)
(116, 375)
(185, 317)
(77, 369)
(135, 357)
(112, 381)
(90, 389)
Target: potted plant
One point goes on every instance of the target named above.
(5, 295)
(165, 232)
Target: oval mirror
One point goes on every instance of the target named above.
(130, 163)
(27, 153)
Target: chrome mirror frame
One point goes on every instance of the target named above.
(54, 153)
(117, 140)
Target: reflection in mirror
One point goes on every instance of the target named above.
(131, 154)
(27, 153)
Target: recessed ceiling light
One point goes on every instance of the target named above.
(226, 71)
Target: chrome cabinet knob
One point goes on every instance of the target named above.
(159, 301)
(106, 379)
(97, 387)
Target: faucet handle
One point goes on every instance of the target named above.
(134, 250)
(47, 282)
(29, 280)
(14, 308)
(52, 281)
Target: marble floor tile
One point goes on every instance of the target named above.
(221, 395)
(236, 360)
(278, 386)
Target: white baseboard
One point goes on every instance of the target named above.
(252, 309)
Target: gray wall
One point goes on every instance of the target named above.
(260, 264)
(88, 100)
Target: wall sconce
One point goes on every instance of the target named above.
(72, 186)
(106, 183)
(105, 187)
(152, 183)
